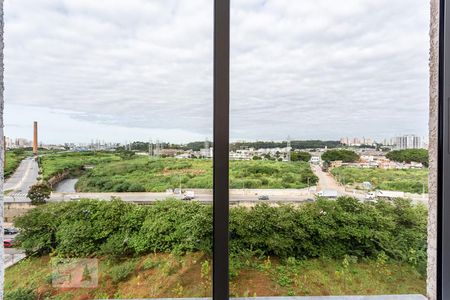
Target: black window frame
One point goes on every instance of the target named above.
(443, 166)
(220, 277)
(221, 148)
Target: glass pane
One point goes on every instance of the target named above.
(113, 200)
(328, 171)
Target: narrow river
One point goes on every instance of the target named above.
(66, 186)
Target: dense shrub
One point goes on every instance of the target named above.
(324, 228)
(122, 271)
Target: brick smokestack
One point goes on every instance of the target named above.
(35, 138)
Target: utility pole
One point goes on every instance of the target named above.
(157, 148)
(150, 148)
(289, 148)
(308, 186)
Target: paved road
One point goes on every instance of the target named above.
(12, 255)
(202, 197)
(22, 179)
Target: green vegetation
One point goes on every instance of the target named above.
(21, 294)
(163, 250)
(172, 276)
(300, 156)
(156, 175)
(408, 180)
(409, 155)
(319, 229)
(13, 159)
(39, 193)
(346, 156)
(56, 163)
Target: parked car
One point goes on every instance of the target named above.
(9, 231)
(8, 243)
(263, 197)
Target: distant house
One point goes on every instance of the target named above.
(315, 160)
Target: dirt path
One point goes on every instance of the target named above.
(326, 180)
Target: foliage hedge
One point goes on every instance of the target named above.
(325, 228)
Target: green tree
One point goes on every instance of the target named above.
(39, 192)
(346, 156)
(125, 154)
(300, 156)
(409, 155)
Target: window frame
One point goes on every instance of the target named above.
(221, 104)
(443, 167)
(221, 133)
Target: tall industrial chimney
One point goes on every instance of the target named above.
(35, 138)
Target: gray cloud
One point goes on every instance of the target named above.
(307, 69)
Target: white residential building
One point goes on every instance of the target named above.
(409, 141)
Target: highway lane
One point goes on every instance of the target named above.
(151, 197)
(239, 195)
(22, 179)
(12, 255)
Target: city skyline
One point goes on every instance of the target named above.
(23, 141)
(144, 69)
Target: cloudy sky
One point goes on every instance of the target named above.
(142, 69)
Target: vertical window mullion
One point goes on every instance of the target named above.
(221, 148)
(443, 259)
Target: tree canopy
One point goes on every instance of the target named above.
(409, 155)
(346, 156)
(39, 193)
(300, 156)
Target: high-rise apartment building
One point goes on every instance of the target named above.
(409, 141)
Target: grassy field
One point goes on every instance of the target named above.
(166, 275)
(410, 181)
(55, 163)
(138, 174)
